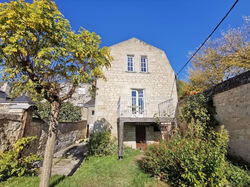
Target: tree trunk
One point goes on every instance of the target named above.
(49, 150)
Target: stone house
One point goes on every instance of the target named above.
(88, 114)
(140, 85)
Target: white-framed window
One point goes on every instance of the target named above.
(137, 101)
(144, 64)
(130, 63)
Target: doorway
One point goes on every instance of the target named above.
(140, 137)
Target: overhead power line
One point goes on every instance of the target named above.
(208, 37)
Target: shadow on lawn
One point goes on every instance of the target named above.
(57, 181)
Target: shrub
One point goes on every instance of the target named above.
(198, 113)
(100, 144)
(68, 112)
(237, 176)
(188, 161)
(12, 164)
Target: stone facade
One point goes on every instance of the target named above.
(233, 111)
(80, 96)
(157, 83)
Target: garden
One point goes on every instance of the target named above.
(194, 155)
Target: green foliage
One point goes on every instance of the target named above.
(97, 171)
(182, 88)
(100, 144)
(195, 157)
(197, 114)
(13, 164)
(185, 161)
(39, 50)
(68, 112)
(221, 58)
(237, 176)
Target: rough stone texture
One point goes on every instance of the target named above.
(151, 135)
(233, 111)
(158, 83)
(12, 127)
(10, 130)
(70, 132)
(231, 83)
(129, 136)
(81, 95)
(37, 128)
(89, 114)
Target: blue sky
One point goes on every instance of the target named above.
(176, 26)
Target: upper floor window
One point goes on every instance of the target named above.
(130, 63)
(144, 64)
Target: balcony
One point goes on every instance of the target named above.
(145, 108)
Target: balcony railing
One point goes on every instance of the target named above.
(163, 109)
(167, 108)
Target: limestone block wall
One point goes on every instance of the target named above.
(151, 135)
(91, 115)
(233, 111)
(12, 127)
(10, 130)
(157, 83)
(129, 136)
(231, 99)
(68, 133)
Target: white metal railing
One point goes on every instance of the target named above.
(126, 109)
(167, 108)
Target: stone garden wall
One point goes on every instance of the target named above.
(10, 130)
(12, 127)
(232, 101)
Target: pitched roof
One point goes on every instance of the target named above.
(3, 94)
(90, 103)
(137, 40)
(23, 99)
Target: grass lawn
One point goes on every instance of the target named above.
(98, 172)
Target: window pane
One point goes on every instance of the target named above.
(133, 93)
(143, 64)
(130, 63)
(140, 93)
(141, 105)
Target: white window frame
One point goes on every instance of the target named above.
(145, 63)
(129, 67)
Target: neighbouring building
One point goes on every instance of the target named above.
(139, 86)
(88, 114)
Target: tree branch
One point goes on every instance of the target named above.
(69, 94)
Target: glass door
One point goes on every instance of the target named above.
(137, 102)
